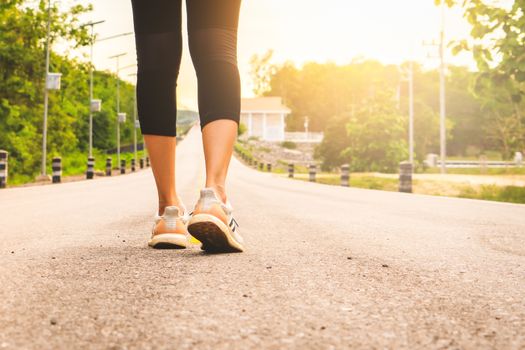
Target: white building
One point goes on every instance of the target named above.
(264, 117)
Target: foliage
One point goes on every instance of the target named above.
(22, 71)
(377, 136)
(511, 194)
(329, 94)
(289, 144)
(498, 46)
(261, 72)
(335, 140)
(242, 129)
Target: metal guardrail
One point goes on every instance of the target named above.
(478, 164)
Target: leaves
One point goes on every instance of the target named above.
(22, 43)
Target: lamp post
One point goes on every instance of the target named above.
(306, 122)
(442, 90)
(411, 112)
(135, 121)
(121, 117)
(46, 96)
(91, 104)
(442, 103)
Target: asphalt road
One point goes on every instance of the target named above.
(325, 267)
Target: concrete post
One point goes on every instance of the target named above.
(269, 167)
(133, 165)
(483, 163)
(147, 162)
(109, 166)
(3, 168)
(261, 166)
(518, 159)
(345, 175)
(405, 177)
(56, 166)
(90, 168)
(122, 166)
(141, 163)
(291, 169)
(312, 172)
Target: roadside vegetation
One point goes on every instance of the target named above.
(22, 71)
(362, 106)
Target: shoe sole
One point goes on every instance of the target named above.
(169, 241)
(214, 235)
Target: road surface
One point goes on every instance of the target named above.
(326, 268)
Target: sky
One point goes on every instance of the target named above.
(299, 31)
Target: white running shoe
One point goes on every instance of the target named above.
(212, 223)
(169, 230)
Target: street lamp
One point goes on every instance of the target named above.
(93, 107)
(442, 89)
(410, 78)
(306, 122)
(136, 124)
(121, 117)
(442, 105)
(52, 82)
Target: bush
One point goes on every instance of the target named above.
(242, 129)
(289, 144)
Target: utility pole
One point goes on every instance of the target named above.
(408, 75)
(442, 106)
(117, 57)
(411, 112)
(46, 93)
(135, 126)
(92, 24)
(441, 45)
(306, 122)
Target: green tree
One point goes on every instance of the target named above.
(498, 46)
(335, 140)
(22, 54)
(377, 135)
(261, 72)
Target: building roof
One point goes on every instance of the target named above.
(264, 104)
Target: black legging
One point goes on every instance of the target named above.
(212, 35)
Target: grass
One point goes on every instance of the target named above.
(510, 194)
(75, 164)
(289, 144)
(478, 171)
(356, 180)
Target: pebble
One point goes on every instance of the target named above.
(53, 321)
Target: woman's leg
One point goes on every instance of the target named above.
(212, 31)
(159, 48)
(218, 138)
(161, 151)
